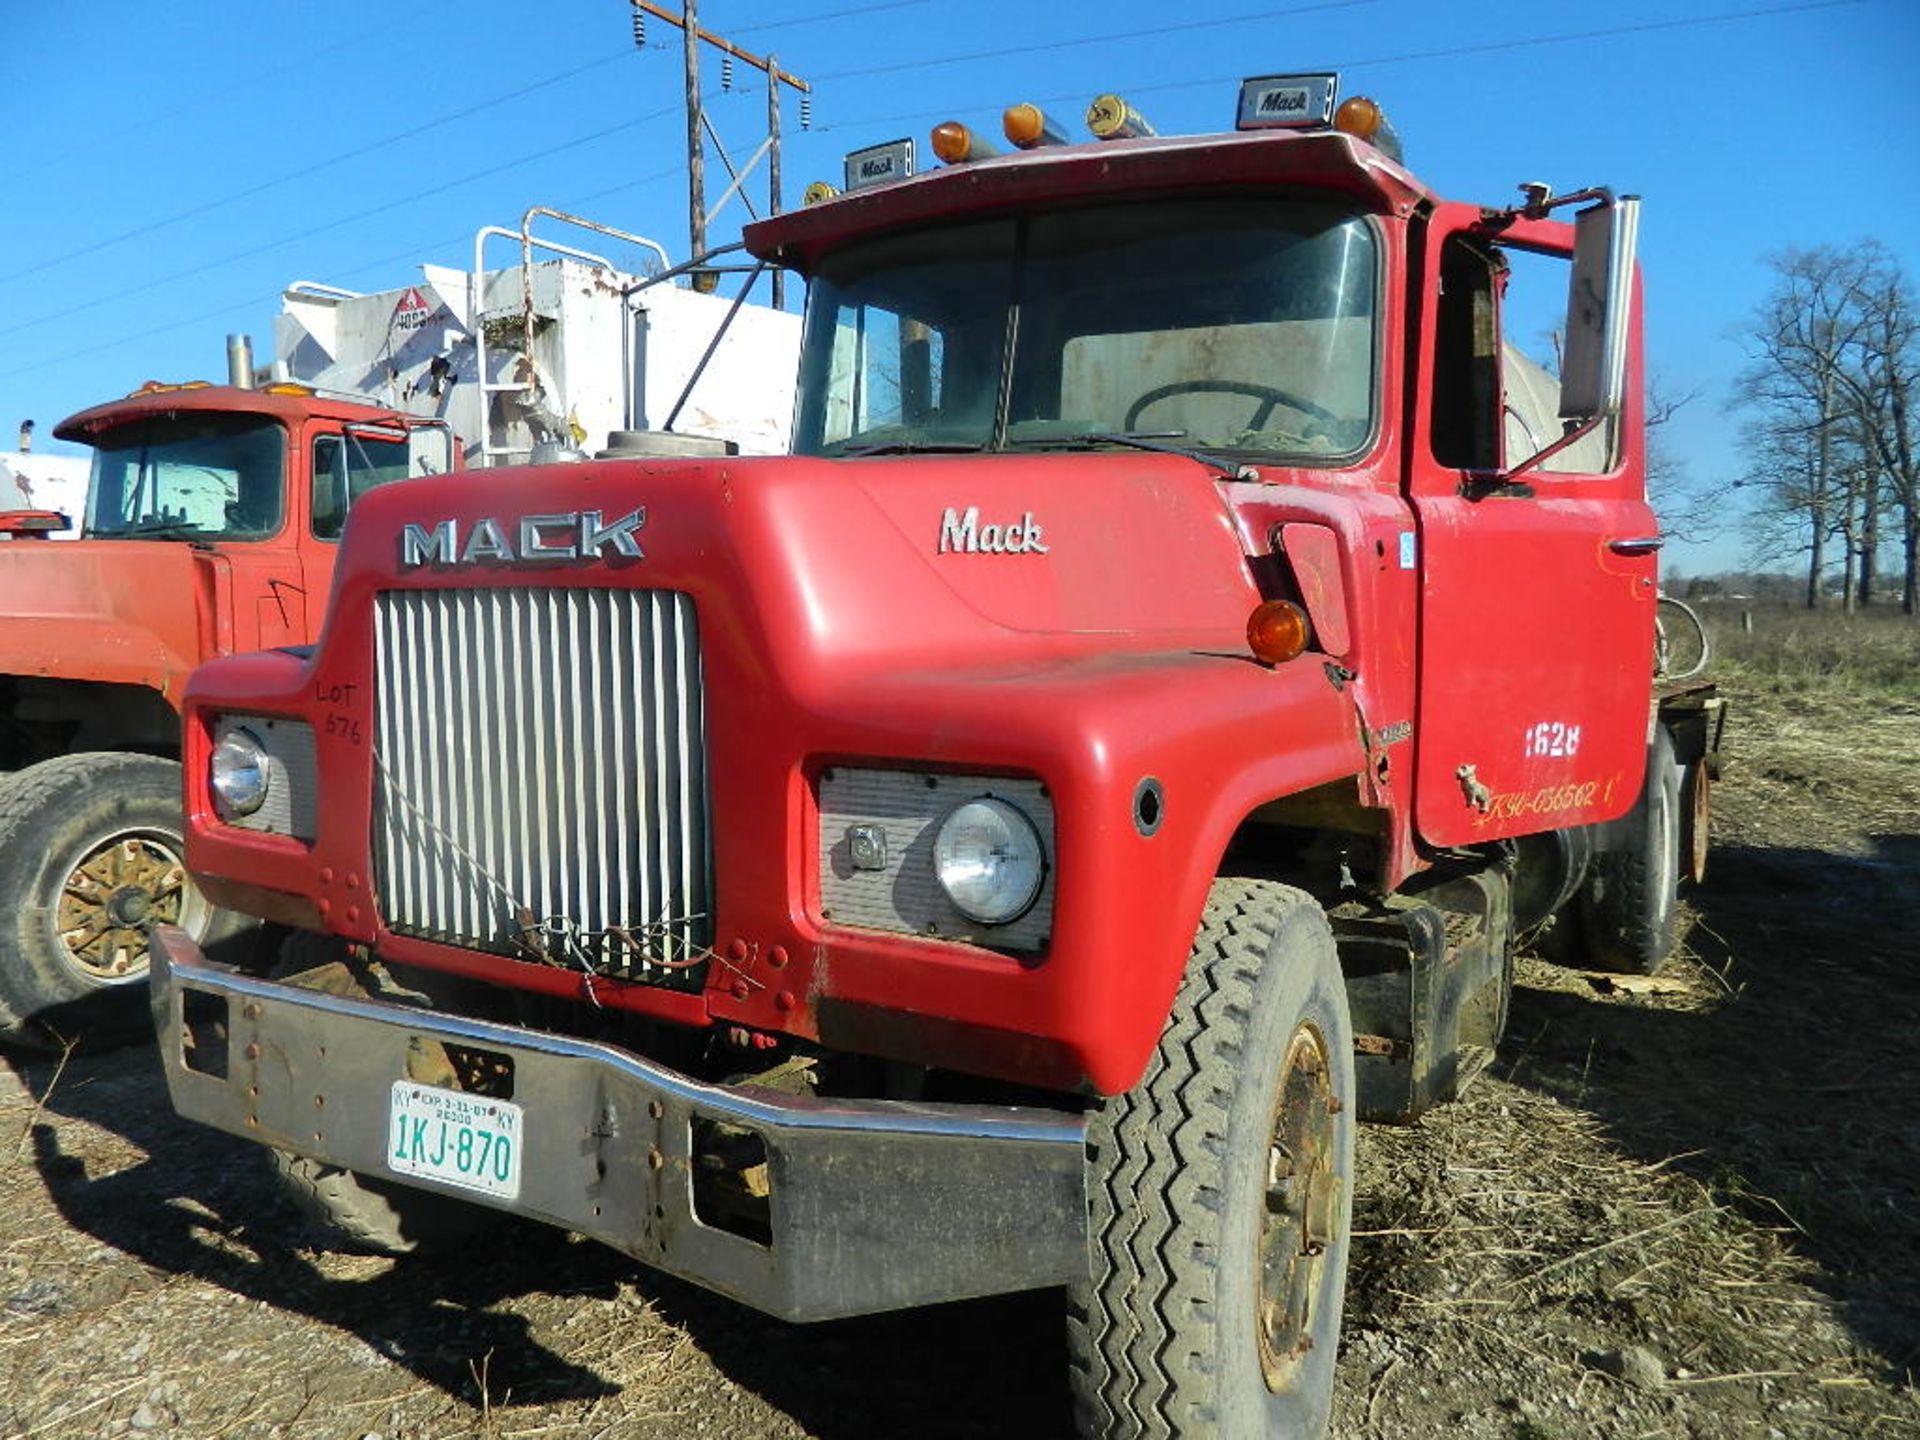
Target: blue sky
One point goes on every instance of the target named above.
(172, 167)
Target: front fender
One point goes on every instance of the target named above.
(1221, 734)
(1219, 753)
(265, 875)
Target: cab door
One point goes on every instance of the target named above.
(342, 465)
(1537, 589)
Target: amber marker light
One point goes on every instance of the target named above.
(161, 387)
(956, 144)
(1358, 117)
(1277, 631)
(1028, 127)
(1365, 120)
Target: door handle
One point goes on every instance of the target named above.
(1637, 545)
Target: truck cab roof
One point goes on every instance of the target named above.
(162, 400)
(1319, 160)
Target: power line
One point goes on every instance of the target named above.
(1111, 37)
(1486, 47)
(338, 222)
(411, 254)
(1611, 32)
(1450, 52)
(395, 138)
(829, 15)
(154, 120)
(358, 152)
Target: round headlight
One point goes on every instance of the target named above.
(239, 773)
(989, 860)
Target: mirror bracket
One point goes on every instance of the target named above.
(1574, 434)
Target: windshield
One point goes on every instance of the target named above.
(1243, 325)
(187, 476)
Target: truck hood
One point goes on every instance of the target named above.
(908, 560)
(124, 612)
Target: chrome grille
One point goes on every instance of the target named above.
(541, 784)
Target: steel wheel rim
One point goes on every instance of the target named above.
(110, 891)
(1700, 814)
(1302, 1203)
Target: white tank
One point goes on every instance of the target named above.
(607, 355)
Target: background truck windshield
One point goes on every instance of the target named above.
(213, 476)
(1239, 325)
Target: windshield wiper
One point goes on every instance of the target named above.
(1146, 440)
(913, 447)
(165, 529)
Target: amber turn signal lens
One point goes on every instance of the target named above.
(1277, 631)
(1026, 126)
(1358, 117)
(159, 387)
(952, 142)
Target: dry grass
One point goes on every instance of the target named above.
(1720, 1168)
(1717, 1167)
(1543, 1210)
(1791, 650)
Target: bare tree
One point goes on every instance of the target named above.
(1836, 368)
(1882, 389)
(1799, 339)
(1688, 510)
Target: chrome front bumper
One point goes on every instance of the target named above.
(873, 1205)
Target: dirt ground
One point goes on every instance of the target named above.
(1685, 1208)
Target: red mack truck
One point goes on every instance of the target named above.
(1010, 841)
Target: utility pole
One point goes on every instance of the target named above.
(773, 170)
(700, 129)
(696, 147)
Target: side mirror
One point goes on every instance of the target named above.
(1593, 372)
(429, 449)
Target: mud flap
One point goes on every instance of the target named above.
(1428, 980)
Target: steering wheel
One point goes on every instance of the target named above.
(1268, 395)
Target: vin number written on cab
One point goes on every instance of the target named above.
(472, 1141)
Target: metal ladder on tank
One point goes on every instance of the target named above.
(491, 453)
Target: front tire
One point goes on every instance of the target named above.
(91, 854)
(1220, 1192)
(1631, 898)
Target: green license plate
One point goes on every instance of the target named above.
(472, 1141)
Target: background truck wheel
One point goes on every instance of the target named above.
(90, 855)
(1628, 904)
(1220, 1192)
(347, 1210)
(1696, 812)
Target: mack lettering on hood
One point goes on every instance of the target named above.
(530, 540)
